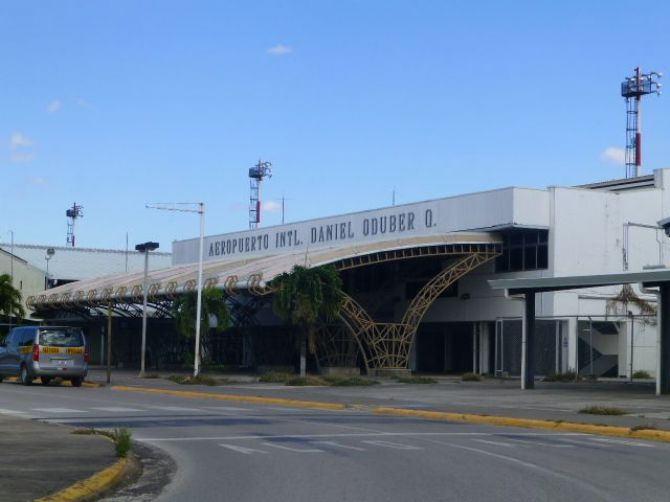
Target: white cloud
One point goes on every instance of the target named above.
(21, 157)
(614, 155)
(82, 103)
(271, 206)
(37, 180)
(280, 50)
(19, 140)
(54, 106)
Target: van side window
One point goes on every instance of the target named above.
(27, 337)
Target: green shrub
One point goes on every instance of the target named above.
(275, 377)
(190, 380)
(602, 410)
(643, 427)
(570, 376)
(471, 377)
(415, 379)
(307, 380)
(641, 374)
(342, 381)
(151, 375)
(123, 440)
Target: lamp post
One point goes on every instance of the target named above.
(175, 206)
(145, 248)
(47, 257)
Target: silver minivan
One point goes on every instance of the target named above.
(46, 352)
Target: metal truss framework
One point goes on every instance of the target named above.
(388, 345)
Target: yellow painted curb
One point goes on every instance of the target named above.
(295, 403)
(529, 423)
(91, 385)
(92, 487)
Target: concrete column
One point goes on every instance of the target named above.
(528, 344)
(664, 367)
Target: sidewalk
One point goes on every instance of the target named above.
(40, 459)
(548, 401)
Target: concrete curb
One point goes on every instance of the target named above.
(95, 486)
(295, 403)
(607, 430)
(65, 383)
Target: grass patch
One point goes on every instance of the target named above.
(298, 381)
(414, 379)
(122, 438)
(641, 374)
(191, 380)
(570, 376)
(151, 375)
(275, 377)
(471, 377)
(352, 381)
(602, 410)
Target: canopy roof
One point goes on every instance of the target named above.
(254, 273)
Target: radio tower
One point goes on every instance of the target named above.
(633, 88)
(256, 175)
(72, 214)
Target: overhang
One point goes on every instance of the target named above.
(648, 278)
(253, 274)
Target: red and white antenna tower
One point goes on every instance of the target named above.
(72, 214)
(256, 175)
(633, 88)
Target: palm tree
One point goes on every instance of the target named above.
(10, 299)
(213, 306)
(302, 296)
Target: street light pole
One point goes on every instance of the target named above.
(49, 255)
(201, 211)
(145, 248)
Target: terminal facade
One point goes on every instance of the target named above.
(416, 282)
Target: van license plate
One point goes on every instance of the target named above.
(63, 362)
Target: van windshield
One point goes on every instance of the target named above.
(61, 337)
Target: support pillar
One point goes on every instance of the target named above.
(109, 343)
(528, 344)
(664, 363)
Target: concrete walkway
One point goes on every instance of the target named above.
(40, 459)
(548, 401)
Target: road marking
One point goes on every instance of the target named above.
(118, 409)
(389, 444)
(242, 449)
(496, 443)
(58, 410)
(339, 445)
(227, 408)
(622, 442)
(529, 442)
(175, 408)
(295, 450)
(11, 412)
(353, 434)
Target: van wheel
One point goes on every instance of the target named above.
(45, 380)
(76, 382)
(1, 378)
(25, 376)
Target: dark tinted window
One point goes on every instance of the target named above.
(524, 250)
(61, 337)
(27, 337)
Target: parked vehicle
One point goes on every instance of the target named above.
(45, 352)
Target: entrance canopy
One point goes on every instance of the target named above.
(253, 274)
(529, 287)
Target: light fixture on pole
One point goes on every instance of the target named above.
(145, 248)
(175, 206)
(47, 257)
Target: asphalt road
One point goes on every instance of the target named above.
(243, 452)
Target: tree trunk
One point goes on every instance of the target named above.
(303, 354)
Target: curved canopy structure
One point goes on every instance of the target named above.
(254, 274)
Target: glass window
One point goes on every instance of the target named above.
(61, 337)
(27, 337)
(524, 250)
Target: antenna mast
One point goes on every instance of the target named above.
(633, 88)
(72, 214)
(256, 175)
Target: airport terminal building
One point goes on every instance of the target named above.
(416, 282)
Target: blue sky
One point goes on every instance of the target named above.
(114, 104)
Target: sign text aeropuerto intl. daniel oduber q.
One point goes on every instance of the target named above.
(321, 234)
